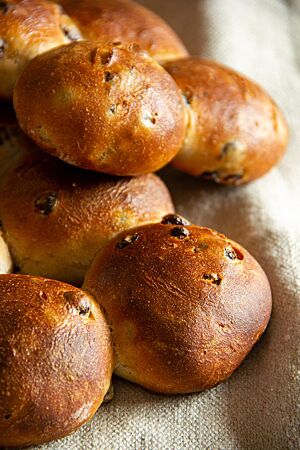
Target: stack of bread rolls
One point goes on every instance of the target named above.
(105, 94)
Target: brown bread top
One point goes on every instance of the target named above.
(185, 304)
(27, 29)
(236, 132)
(109, 108)
(127, 22)
(56, 217)
(55, 359)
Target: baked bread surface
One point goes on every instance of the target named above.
(56, 217)
(235, 133)
(56, 359)
(185, 304)
(27, 29)
(127, 22)
(105, 107)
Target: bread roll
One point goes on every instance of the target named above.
(185, 304)
(236, 133)
(108, 108)
(127, 22)
(56, 359)
(56, 217)
(27, 29)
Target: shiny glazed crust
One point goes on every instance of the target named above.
(185, 305)
(109, 108)
(56, 359)
(56, 217)
(27, 29)
(236, 133)
(127, 22)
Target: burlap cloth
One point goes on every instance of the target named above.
(258, 408)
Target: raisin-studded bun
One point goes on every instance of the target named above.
(56, 359)
(27, 29)
(185, 304)
(236, 133)
(127, 22)
(56, 217)
(105, 107)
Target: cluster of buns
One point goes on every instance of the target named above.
(110, 94)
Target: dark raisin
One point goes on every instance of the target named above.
(187, 96)
(43, 295)
(117, 43)
(180, 232)
(230, 253)
(7, 416)
(80, 303)
(84, 309)
(3, 46)
(93, 55)
(113, 109)
(71, 33)
(106, 57)
(227, 148)
(202, 246)
(108, 76)
(233, 178)
(45, 203)
(175, 219)
(127, 240)
(212, 278)
(214, 176)
(4, 7)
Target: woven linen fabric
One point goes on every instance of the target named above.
(258, 407)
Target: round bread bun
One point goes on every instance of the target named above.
(185, 304)
(27, 29)
(236, 133)
(56, 217)
(56, 359)
(127, 22)
(109, 108)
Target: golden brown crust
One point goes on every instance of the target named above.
(127, 22)
(56, 217)
(236, 133)
(185, 305)
(56, 359)
(108, 108)
(27, 29)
